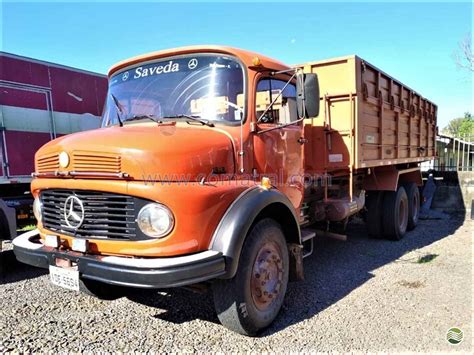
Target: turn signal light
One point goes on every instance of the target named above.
(256, 61)
(266, 183)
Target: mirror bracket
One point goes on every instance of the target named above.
(253, 127)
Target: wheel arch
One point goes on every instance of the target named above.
(251, 206)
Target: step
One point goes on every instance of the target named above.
(307, 234)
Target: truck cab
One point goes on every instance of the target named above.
(197, 174)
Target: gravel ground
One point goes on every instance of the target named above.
(359, 295)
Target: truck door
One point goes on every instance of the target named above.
(279, 151)
(25, 124)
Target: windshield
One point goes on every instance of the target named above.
(206, 86)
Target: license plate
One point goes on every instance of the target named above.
(67, 278)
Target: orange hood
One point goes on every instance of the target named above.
(146, 151)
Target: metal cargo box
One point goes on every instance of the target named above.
(367, 118)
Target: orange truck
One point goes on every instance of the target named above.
(218, 166)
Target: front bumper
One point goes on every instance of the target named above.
(135, 272)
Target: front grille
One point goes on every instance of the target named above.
(106, 215)
(97, 162)
(82, 161)
(48, 163)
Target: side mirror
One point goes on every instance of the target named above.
(307, 95)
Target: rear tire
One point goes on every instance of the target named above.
(413, 195)
(251, 300)
(395, 214)
(100, 290)
(374, 206)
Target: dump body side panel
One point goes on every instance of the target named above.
(330, 134)
(367, 119)
(395, 124)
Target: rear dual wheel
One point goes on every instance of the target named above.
(395, 214)
(251, 300)
(391, 213)
(413, 194)
(374, 206)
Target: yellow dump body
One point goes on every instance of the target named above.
(367, 119)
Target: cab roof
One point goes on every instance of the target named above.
(245, 56)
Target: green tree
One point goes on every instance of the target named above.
(462, 126)
(467, 126)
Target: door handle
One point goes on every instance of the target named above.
(302, 140)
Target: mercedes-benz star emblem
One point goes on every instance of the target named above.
(193, 63)
(73, 212)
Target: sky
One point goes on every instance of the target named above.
(413, 42)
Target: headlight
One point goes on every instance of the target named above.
(155, 220)
(38, 209)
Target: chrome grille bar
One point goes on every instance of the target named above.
(106, 215)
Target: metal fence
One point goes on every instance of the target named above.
(454, 153)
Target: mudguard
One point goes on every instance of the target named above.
(233, 228)
(8, 218)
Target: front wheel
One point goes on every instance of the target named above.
(251, 300)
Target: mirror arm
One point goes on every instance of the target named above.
(285, 71)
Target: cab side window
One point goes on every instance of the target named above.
(284, 109)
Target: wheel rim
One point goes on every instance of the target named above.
(267, 276)
(403, 215)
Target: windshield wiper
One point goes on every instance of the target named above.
(141, 117)
(191, 118)
(119, 109)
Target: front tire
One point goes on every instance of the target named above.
(251, 300)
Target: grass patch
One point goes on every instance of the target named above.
(427, 258)
(27, 228)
